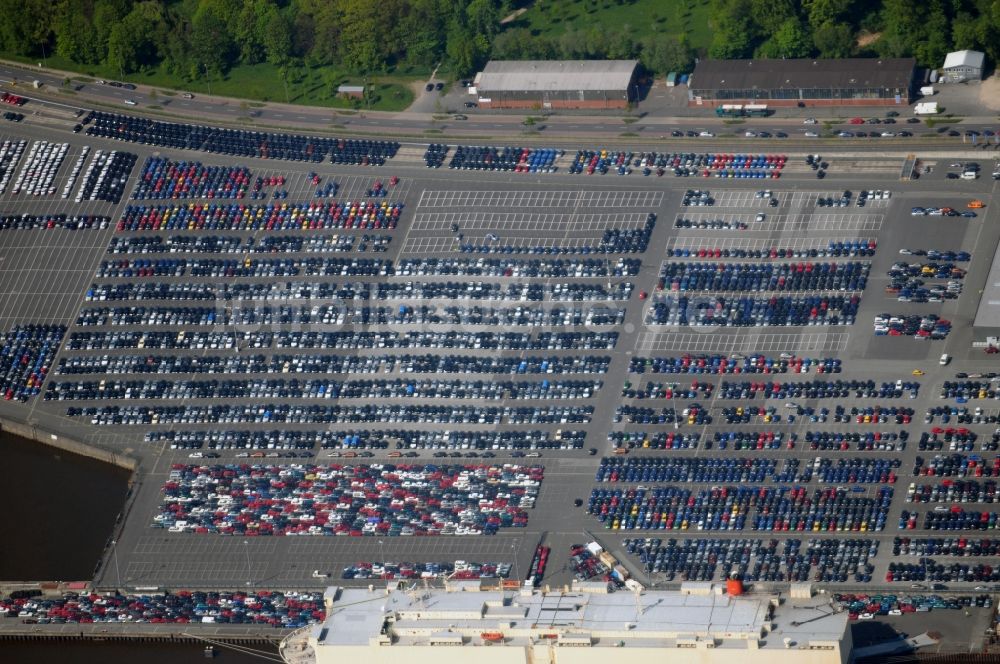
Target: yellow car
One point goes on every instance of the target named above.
(918, 372)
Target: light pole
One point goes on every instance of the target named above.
(246, 550)
(207, 79)
(381, 553)
(118, 573)
(517, 575)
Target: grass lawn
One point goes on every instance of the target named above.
(645, 17)
(261, 83)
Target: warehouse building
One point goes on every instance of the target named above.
(803, 82)
(961, 66)
(986, 325)
(471, 621)
(549, 84)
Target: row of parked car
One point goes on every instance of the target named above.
(274, 388)
(735, 363)
(38, 170)
(281, 610)
(270, 244)
(10, 154)
(247, 313)
(70, 222)
(931, 570)
(26, 354)
(693, 413)
(969, 389)
(865, 607)
(955, 547)
(458, 570)
(162, 177)
(806, 276)
(660, 440)
(510, 159)
(384, 439)
(535, 268)
(287, 413)
(833, 249)
(238, 142)
(703, 470)
(317, 215)
(735, 508)
(956, 465)
(753, 311)
(930, 326)
(711, 224)
(384, 499)
(881, 441)
(230, 267)
(951, 491)
(816, 389)
(328, 364)
(701, 559)
(193, 339)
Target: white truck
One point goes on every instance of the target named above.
(926, 108)
(927, 91)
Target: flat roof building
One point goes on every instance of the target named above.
(960, 66)
(986, 325)
(803, 82)
(556, 83)
(496, 626)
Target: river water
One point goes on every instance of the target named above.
(58, 512)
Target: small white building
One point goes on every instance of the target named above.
(960, 66)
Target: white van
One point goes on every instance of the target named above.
(945, 359)
(131, 102)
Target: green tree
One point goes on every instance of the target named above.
(363, 34)
(420, 26)
(212, 46)
(734, 32)
(903, 20)
(834, 40)
(76, 36)
(820, 12)
(26, 26)
(483, 17)
(278, 38)
(666, 54)
(932, 48)
(769, 15)
(790, 40)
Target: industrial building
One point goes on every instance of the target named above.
(702, 622)
(548, 84)
(986, 325)
(961, 66)
(803, 82)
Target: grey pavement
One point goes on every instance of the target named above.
(43, 275)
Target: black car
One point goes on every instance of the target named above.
(952, 176)
(471, 104)
(429, 87)
(677, 133)
(77, 128)
(954, 133)
(913, 121)
(439, 86)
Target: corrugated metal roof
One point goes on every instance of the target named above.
(964, 59)
(542, 75)
(988, 313)
(802, 73)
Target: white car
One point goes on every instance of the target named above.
(809, 121)
(750, 134)
(707, 134)
(811, 134)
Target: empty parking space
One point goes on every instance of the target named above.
(542, 199)
(695, 243)
(525, 222)
(748, 341)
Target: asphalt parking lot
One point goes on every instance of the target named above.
(45, 273)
